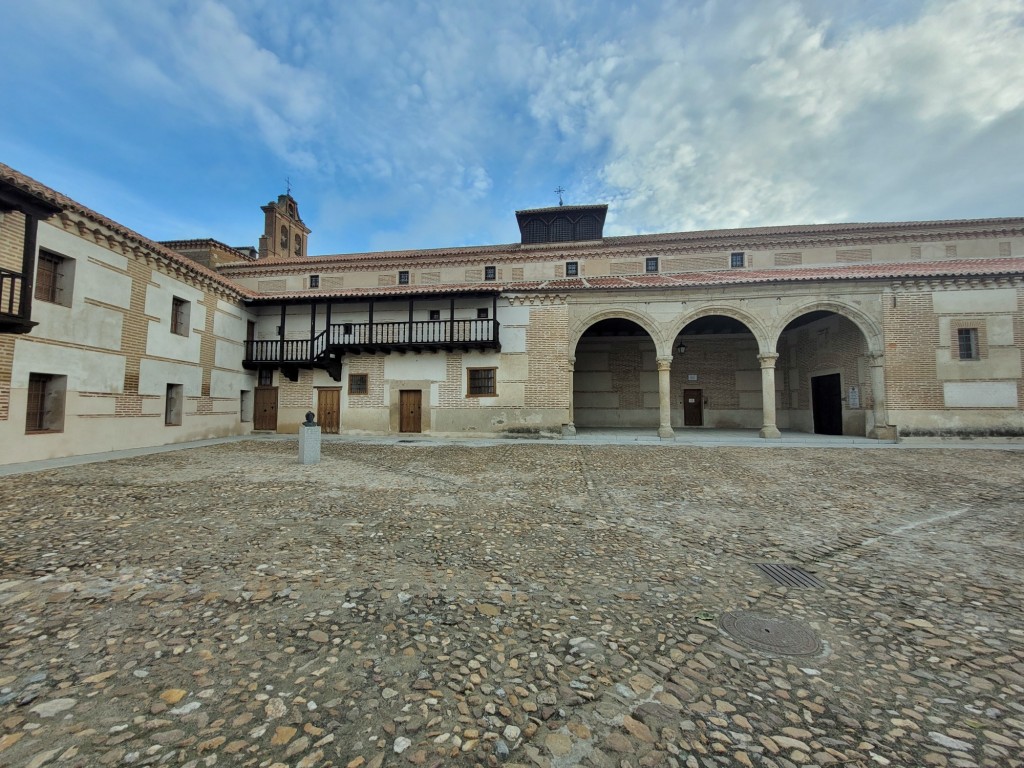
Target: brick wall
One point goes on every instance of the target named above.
(911, 338)
(547, 339)
(296, 394)
(373, 367)
(824, 346)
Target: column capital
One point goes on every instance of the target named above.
(877, 358)
(664, 363)
(768, 361)
(572, 362)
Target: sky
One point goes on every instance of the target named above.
(404, 124)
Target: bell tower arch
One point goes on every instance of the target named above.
(284, 235)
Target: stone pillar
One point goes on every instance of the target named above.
(569, 429)
(309, 444)
(664, 400)
(881, 430)
(769, 430)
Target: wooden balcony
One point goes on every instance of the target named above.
(13, 311)
(325, 349)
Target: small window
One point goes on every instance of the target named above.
(736, 259)
(180, 311)
(967, 341)
(490, 273)
(298, 245)
(358, 383)
(173, 405)
(54, 274)
(245, 405)
(44, 411)
(482, 313)
(346, 329)
(482, 382)
(266, 377)
(435, 314)
(403, 277)
(314, 281)
(572, 268)
(284, 237)
(651, 265)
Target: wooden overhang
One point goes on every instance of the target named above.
(326, 348)
(16, 288)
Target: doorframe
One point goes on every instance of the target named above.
(700, 404)
(277, 408)
(395, 404)
(811, 376)
(337, 391)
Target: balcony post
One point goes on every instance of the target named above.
(328, 328)
(370, 329)
(280, 336)
(28, 267)
(312, 328)
(408, 333)
(451, 321)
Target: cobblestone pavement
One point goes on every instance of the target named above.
(548, 605)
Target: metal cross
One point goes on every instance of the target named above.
(288, 184)
(558, 191)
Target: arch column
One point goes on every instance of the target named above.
(570, 428)
(664, 400)
(768, 430)
(881, 430)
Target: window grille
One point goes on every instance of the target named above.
(482, 381)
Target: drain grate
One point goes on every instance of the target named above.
(764, 633)
(789, 575)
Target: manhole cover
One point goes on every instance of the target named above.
(764, 633)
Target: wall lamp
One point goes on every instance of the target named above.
(680, 348)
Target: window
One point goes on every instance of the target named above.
(346, 329)
(736, 259)
(298, 245)
(403, 277)
(587, 228)
(284, 237)
(435, 314)
(967, 341)
(561, 230)
(482, 382)
(172, 405)
(180, 310)
(490, 273)
(44, 411)
(54, 276)
(358, 383)
(651, 265)
(266, 377)
(572, 268)
(314, 281)
(535, 231)
(482, 313)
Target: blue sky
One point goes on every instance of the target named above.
(406, 124)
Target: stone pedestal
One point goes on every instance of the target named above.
(309, 445)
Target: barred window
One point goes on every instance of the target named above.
(435, 314)
(561, 230)
(403, 277)
(44, 411)
(651, 265)
(586, 228)
(314, 281)
(53, 278)
(967, 341)
(535, 231)
(572, 268)
(180, 310)
(736, 259)
(482, 382)
(490, 273)
(482, 313)
(266, 377)
(358, 383)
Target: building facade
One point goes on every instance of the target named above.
(913, 328)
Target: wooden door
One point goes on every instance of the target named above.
(827, 404)
(409, 408)
(265, 410)
(693, 408)
(328, 410)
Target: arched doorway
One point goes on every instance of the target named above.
(716, 375)
(824, 371)
(615, 376)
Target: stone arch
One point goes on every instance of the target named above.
(871, 329)
(644, 321)
(757, 328)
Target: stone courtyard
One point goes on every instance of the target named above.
(513, 604)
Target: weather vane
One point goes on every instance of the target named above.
(558, 191)
(288, 185)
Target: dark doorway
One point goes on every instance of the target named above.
(827, 404)
(410, 414)
(265, 416)
(693, 408)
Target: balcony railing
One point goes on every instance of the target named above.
(13, 317)
(341, 338)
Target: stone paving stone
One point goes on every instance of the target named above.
(542, 605)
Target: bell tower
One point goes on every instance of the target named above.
(284, 235)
